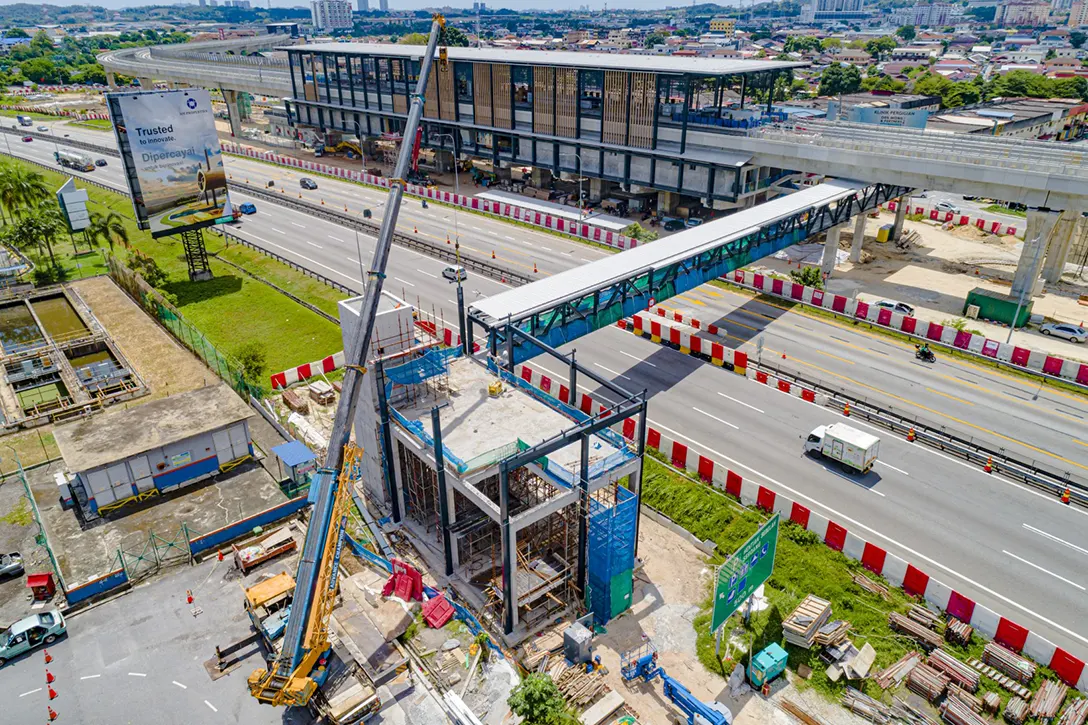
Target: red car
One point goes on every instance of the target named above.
(28, 139)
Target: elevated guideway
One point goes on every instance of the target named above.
(573, 303)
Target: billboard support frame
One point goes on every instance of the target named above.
(196, 255)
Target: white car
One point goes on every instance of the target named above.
(43, 129)
(1073, 333)
(455, 273)
(945, 206)
(900, 307)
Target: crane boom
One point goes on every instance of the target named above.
(287, 680)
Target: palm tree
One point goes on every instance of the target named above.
(39, 229)
(21, 188)
(110, 228)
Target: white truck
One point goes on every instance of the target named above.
(855, 450)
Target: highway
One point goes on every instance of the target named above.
(1013, 549)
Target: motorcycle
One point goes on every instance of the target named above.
(924, 355)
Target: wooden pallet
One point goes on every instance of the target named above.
(1004, 680)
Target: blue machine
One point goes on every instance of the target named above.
(642, 662)
(767, 665)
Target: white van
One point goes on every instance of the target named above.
(455, 273)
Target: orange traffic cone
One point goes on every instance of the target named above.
(534, 267)
(52, 713)
(345, 208)
(492, 253)
(783, 354)
(989, 467)
(48, 657)
(49, 679)
(846, 410)
(1065, 496)
(447, 239)
(220, 552)
(910, 434)
(189, 596)
(52, 694)
(415, 229)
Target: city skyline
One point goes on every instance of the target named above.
(520, 5)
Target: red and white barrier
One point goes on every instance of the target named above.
(897, 571)
(986, 224)
(504, 210)
(61, 113)
(1021, 357)
(445, 335)
(656, 325)
(305, 372)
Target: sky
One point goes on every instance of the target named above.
(523, 5)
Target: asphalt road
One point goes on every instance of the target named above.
(974, 207)
(1012, 548)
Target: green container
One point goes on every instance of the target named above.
(998, 307)
(620, 592)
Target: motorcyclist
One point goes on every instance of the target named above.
(924, 351)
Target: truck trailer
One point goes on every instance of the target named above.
(853, 449)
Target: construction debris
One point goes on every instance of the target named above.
(295, 403)
(861, 704)
(958, 632)
(1007, 682)
(991, 702)
(1004, 660)
(924, 616)
(871, 586)
(832, 633)
(1016, 711)
(1075, 714)
(893, 675)
(975, 703)
(959, 673)
(1048, 699)
(956, 712)
(909, 714)
(925, 636)
(927, 682)
(804, 622)
(793, 709)
(579, 687)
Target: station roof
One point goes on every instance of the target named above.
(564, 59)
(121, 433)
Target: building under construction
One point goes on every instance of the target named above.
(527, 504)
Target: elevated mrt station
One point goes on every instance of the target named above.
(659, 127)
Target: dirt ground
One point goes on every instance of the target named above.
(17, 533)
(161, 361)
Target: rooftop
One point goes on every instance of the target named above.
(702, 66)
(118, 434)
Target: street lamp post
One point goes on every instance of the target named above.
(466, 344)
(581, 204)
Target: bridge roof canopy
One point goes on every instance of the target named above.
(698, 66)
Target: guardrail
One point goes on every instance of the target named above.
(220, 57)
(75, 143)
(60, 169)
(981, 453)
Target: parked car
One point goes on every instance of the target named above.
(307, 183)
(37, 630)
(675, 225)
(455, 273)
(1073, 333)
(947, 206)
(248, 208)
(27, 139)
(43, 129)
(900, 307)
(100, 162)
(11, 564)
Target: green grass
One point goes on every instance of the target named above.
(999, 209)
(19, 515)
(33, 114)
(99, 124)
(232, 309)
(803, 565)
(32, 447)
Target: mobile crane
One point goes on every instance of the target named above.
(641, 662)
(290, 678)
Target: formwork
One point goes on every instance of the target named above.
(611, 552)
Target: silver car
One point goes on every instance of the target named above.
(1073, 333)
(11, 565)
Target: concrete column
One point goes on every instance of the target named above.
(831, 248)
(1036, 237)
(540, 178)
(666, 202)
(596, 189)
(146, 84)
(1061, 240)
(900, 216)
(859, 238)
(233, 111)
(443, 161)
(111, 80)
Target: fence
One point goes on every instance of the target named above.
(153, 303)
(213, 539)
(155, 553)
(229, 238)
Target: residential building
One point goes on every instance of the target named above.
(574, 37)
(924, 15)
(1042, 119)
(363, 6)
(727, 26)
(821, 11)
(1078, 14)
(1023, 13)
(330, 14)
(384, 6)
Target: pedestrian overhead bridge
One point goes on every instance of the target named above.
(565, 306)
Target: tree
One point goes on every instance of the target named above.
(801, 44)
(21, 188)
(1077, 38)
(109, 228)
(831, 43)
(413, 39)
(906, 32)
(454, 37)
(983, 14)
(838, 79)
(538, 701)
(147, 268)
(41, 43)
(37, 231)
(252, 359)
(880, 46)
(654, 39)
(16, 33)
(808, 276)
(637, 231)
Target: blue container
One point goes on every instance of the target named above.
(767, 665)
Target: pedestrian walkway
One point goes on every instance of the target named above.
(597, 219)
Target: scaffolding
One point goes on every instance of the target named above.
(421, 489)
(613, 511)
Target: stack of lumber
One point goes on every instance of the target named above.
(1016, 711)
(861, 704)
(1075, 714)
(1004, 660)
(904, 712)
(537, 652)
(801, 626)
(794, 709)
(923, 616)
(832, 633)
(957, 671)
(1007, 682)
(991, 702)
(295, 402)
(925, 636)
(892, 675)
(955, 712)
(1048, 700)
(975, 703)
(871, 586)
(958, 632)
(927, 682)
(579, 687)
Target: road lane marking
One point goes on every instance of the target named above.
(859, 484)
(1045, 571)
(89, 677)
(1052, 537)
(950, 397)
(646, 362)
(300, 226)
(507, 236)
(404, 281)
(708, 415)
(338, 239)
(1080, 443)
(546, 248)
(211, 706)
(179, 685)
(842, 359)
(31, 692)
(137, 674)
(893, 468)
(314, 245)
(278, 230)
(746, 405)
(435, 276)
(612, 372)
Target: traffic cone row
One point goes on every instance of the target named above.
(49, 680)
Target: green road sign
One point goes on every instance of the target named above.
(744, 572)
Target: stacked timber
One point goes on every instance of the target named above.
(924, 616)
(927, 682)
(295, 403)
(861, 704)
(832, 633)
(1048, 700)
(871, 586)
(1016, 711)
(579, 687)
(957, 671)
(1075, 714)
(925, 636)
(955, 712)
(958, 632)
(1004, 660)
(908, 714)
(991, 702)
(801, 627)
(1007, 682)
(892, 675)
(975, 703)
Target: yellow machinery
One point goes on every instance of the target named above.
(344, 146)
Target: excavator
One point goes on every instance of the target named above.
(294, 674)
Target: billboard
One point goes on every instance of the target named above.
(73, 205)
(882, 116)
(172, 160)
(744, 572)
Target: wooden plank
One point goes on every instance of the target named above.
(602, 709)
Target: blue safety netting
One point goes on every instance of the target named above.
(611, 554)
(431, 364)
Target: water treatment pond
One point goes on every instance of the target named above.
(18, 330)
(58, 317)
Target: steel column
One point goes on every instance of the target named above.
(443, 494)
